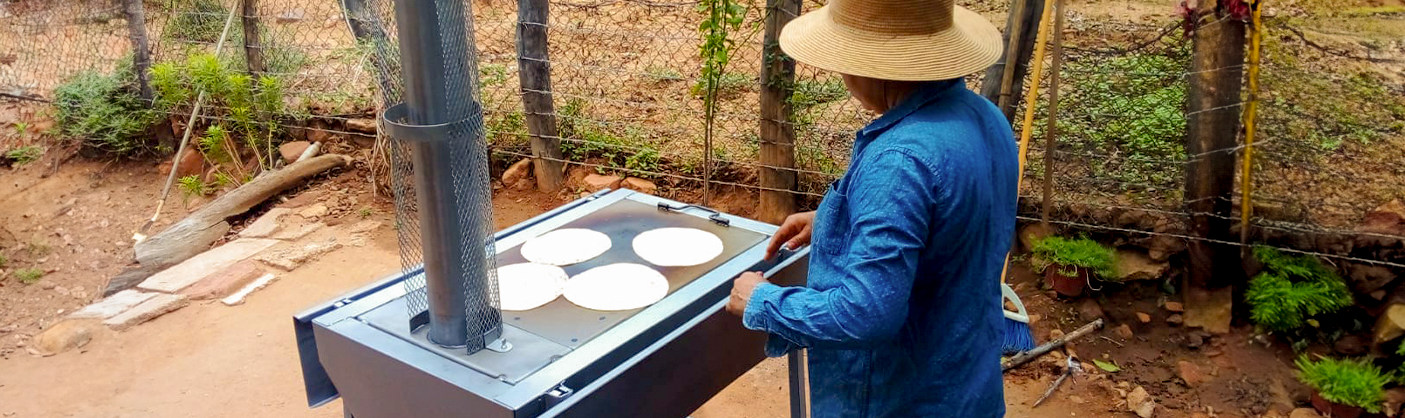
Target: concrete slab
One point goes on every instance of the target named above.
(225, 282)
(266, 225)
(146, 311)
(113, 305)
(190, 271)
(293, 256)
(293, 232)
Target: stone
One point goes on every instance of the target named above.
(238, 297)
(1144, 317)
(1123, 331)
(1141, 403)
(1089, 310)
(291, 16)
(517, 172)
(291, 257)
(1350, 345)
(365, 125)
(1304, 413)
(265, 225)
(364, 227)
(1388, 219)
(1055, 334)
(1175, 320)
(598, 182)
(640, 185)
(1137, 265)
(1394, 398)
(1077, 400)
(146, 311)
(290, 151)
(1034, 318)
(188, 272)
(1196, 339)
(1033, 232)
(1391, 324)
(225, 281)
(318, 132)
(314, 211)
(298, 231)
(1190, 373)
(1367, 278)
(190, 163)
(112, 305)
(63, 336)
(1176, 307)
(1160, 247)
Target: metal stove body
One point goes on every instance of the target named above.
(664, 360)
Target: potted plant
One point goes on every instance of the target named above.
(1069, 264)
(1343, 388)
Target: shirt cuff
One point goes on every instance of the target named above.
(754, 318)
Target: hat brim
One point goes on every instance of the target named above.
(970, 45)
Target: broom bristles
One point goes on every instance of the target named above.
(1018, 337)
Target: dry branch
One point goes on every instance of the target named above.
(194, 234)
(1034, 353)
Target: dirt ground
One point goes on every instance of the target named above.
(210, 360)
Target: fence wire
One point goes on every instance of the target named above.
(625, 77)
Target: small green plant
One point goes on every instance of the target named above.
(1291, 290)
(29, 275)
(192, 186)
(36, 249)
(1348, 382)
(811, 93)
(663, 73)
(197, 20)
(249, 106)
(490, 74)
(366, 212)
(21, 128)
(1062, 253)
(1399, 351)
(104, 112)
(24, 155)
(3, 260)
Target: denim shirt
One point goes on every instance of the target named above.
(902, 313)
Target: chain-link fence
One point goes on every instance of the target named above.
(627, 100)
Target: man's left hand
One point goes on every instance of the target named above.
(741, 291)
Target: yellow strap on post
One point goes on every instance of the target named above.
(1246, 204)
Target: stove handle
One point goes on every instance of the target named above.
(715, 217)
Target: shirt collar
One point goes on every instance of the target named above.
(924, 94)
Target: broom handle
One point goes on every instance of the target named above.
(1030, 99)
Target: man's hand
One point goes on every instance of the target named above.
(793, 233)
(741, 291)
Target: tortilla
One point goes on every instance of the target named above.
(677, 247)
(617, 287)
(564, 247)
(526, 286)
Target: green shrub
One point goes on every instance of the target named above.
(811, 93)
(24, 155)
(1060, 252)
(192, 186)
(250, 106)
(29, 275)
(197, 20)
(1291, 290)
(1348, 382)
(104, 112)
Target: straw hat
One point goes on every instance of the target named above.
(908, 40)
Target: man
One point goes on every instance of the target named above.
(901, 314)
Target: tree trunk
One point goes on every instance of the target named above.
(1028, 27)
(777, 130)
(1213, 111)
(534, 71)
(141, 51)
(253, 45)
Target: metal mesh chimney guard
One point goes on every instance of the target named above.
(430, 341)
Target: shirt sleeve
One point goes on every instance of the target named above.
(890, 204)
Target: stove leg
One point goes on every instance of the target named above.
(799, 384)
(346, 413)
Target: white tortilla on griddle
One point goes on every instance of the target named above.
(677, 247)
(526, 286)
(564, 247)
(617, 287)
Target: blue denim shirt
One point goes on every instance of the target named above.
(902, 311)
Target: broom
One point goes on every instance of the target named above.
(1018, 336)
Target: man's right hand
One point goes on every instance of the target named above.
(794, 233)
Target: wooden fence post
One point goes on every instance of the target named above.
(253, 45)
(141, 50)
(534, 72)
(1030, 12)
(777, 132)
(1213, 111)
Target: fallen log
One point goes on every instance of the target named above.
(194, 234)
